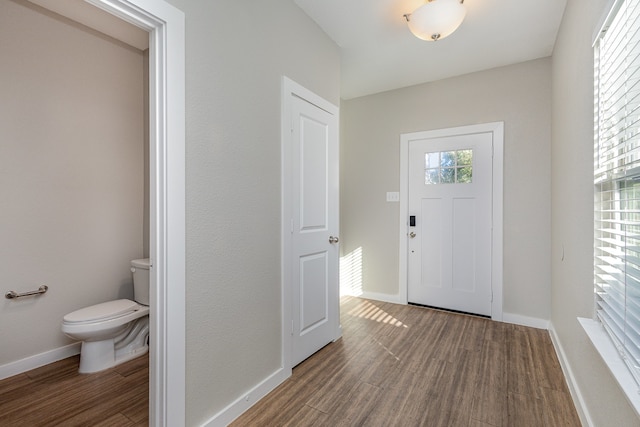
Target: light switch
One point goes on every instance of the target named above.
(393, 196)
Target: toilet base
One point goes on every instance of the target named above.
(97, 356)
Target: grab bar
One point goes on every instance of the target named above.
(13, 294)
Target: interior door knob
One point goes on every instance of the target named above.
(412, 234)
(333, 239)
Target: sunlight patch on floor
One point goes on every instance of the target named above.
(370, 311)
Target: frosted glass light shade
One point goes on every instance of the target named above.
(436, 19)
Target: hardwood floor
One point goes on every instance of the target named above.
(409, 366)
(394, 366)
(57, 395)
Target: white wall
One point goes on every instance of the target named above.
(236, 52)
(519, 95)
(572, 213)
(71, 172)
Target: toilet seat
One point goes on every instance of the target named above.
(102, 312)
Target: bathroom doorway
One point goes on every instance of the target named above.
(164, 26)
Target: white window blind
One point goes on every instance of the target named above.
(617, 180)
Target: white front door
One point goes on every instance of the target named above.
(449, 224)
(314, 228)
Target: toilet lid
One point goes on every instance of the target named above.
(105, 310)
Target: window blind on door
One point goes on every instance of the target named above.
(617, 180)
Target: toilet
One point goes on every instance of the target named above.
(115, 331)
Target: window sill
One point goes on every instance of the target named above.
(603, 344)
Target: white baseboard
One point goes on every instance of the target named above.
(576, 395)
(38, 360)
(247, 400)
(532, 322)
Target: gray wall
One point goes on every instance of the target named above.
(572, 213)
(236, 52)
(71, 172)
(519, 95)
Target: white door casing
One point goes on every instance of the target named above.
(310, 221)
(452, 257)
(166, 27)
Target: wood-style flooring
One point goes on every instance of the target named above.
(57, 395)
(394, 366)
(409, 366)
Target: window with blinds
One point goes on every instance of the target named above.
(617, 180)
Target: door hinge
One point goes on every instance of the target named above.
(291, 327)
(291, 225)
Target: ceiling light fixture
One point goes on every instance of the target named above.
(436, 19)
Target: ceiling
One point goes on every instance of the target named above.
(379, 53)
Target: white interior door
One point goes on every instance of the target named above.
(314, 228)
(450, 217)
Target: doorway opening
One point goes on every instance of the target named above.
(166, 27)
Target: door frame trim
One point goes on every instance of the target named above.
(166, 27)
(497, 129)
(290, 89)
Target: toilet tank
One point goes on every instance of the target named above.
(140, 270)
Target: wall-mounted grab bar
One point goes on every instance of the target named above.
(13, 294)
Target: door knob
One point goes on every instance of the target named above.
(412, 234)
(333, 239)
